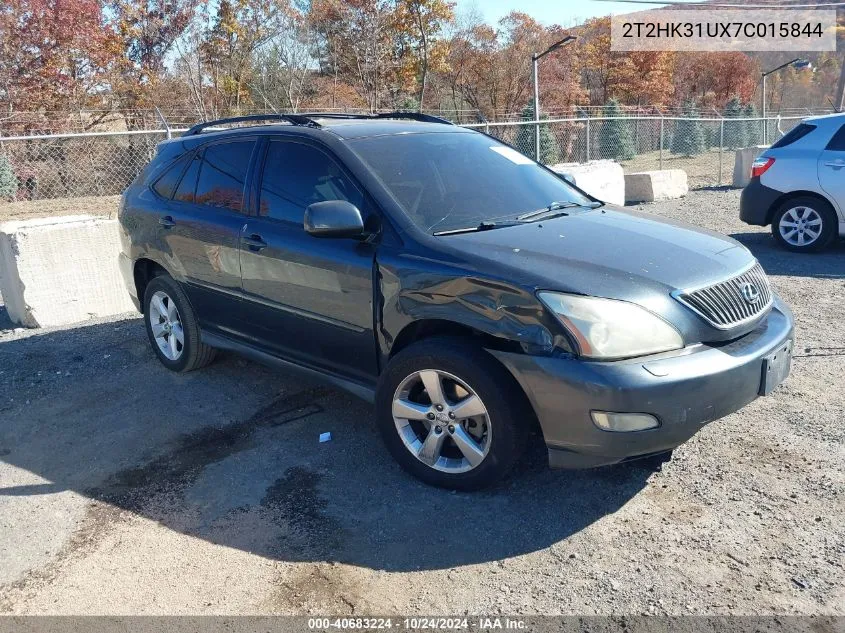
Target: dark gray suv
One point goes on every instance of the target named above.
(470, 293)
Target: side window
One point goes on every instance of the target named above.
(296, 175)
(165, 186)
(837, 143)
(223, 175)
(185, 190)
(798, 132)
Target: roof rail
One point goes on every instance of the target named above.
(295, 119)
(413, 116)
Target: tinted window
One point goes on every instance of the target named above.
(799, 131)
(837, 143)
(166, 184)
(185, 190)
(296, 175)
(223, 175)
(448, 181)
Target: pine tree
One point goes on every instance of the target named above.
(688, 139)
(615, 138)
(753, 129)
(524, 141)
(8, 182)
(736, 132)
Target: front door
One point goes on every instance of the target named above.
(832, 170)
(310, 299)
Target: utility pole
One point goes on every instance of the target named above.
(839, 97)
(795, 63)
(534, 59)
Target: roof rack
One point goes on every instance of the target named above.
(413, 116)
(295, 119)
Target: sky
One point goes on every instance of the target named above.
(564, 12)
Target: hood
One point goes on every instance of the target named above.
(608, 252)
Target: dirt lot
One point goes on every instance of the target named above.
(126, 489)
(29, 209)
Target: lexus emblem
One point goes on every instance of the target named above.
(750, 293)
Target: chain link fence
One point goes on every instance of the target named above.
(70, 166)
(702, 147)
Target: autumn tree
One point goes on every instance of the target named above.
(282, 77)
(419, 25)
(355, 43)
(145, 34)
(712, 79)
(491, 68)
(52, 54)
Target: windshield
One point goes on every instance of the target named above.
(447, 181)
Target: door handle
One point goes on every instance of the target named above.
(254, 242)
(167, 222)
(836, 164)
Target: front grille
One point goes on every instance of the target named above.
(726, 304)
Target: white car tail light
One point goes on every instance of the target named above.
(760, 166)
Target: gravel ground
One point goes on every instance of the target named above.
(126, 489)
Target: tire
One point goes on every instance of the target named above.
(190, 353)
(804, 219)
(497, 436)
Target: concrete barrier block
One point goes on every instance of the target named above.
(742, 165)
(602, 179)
(56, 271)
(651, 186)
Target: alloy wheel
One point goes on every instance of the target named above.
(800, 226)
(442, 421)
(166, 325)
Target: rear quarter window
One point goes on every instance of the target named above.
(798, 132)
(166, 184)
(837, 143)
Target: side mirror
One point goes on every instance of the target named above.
(333, 218)
(568, 178)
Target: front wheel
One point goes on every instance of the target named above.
(804, 225)
(451, 415)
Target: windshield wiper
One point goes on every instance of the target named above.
(484, 226)
(552, 208)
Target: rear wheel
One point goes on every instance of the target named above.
(451, 415)
(804, 224)
(172, 327)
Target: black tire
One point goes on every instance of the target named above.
(829, 228)
(194, 353)
(509, 413)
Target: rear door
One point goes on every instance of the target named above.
(310, 299)
(832, 169)
(200, 228)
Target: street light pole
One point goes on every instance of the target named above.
(795, 63)
(535, 57)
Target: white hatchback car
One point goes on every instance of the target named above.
(798, 185)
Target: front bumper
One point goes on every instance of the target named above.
(684, 391)
(756, 203)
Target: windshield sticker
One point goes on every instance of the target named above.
(512, 155)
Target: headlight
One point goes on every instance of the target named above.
(604, 328)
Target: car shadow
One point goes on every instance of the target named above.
(829, 264)
(230, 454)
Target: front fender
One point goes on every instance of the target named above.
(429, 290)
